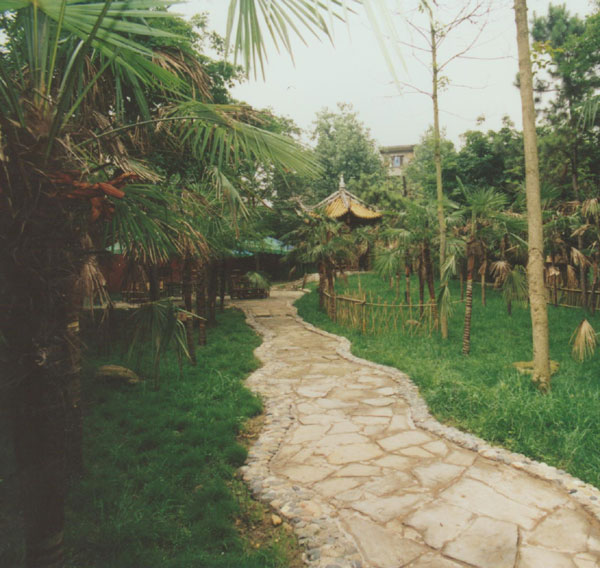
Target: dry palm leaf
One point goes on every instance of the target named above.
(583, 340)
(500, 270)
(572, 281)
(578, 258)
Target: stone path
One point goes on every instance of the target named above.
(350, 457)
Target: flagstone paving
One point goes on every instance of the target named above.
(351, 459)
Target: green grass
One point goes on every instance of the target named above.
(483, 393)
(160, 487)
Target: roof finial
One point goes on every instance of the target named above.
(342, 184)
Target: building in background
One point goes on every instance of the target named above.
(395, 158)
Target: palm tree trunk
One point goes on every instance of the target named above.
(483, 275)
(466, 349)
(152, 272)
(322, 285)
(187, 287)
(535, 265)
(430, 284)
(407, 278)
(421, 285)
(201, 303)
(213, 277)
(222, 284)
(42, 370)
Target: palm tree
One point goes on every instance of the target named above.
(325, 242)
(65, 175)
(483, 207)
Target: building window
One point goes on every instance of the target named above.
(397, 161)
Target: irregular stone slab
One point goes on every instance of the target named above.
(344, 427)
(382, 547)
(487, 543)
(439, 522)
(517, 486)
(374, 430)
(358, 470)
(461, 457)
(369, 420)
(438, 448)
(393, 483)
(354, 453)
(530, 557)
(382, 401)
(434, 561)
(331, 487)
(386, 391)
(396, 462)
(308, 433)
(416, 452)
(585, 560)
(319, 419)
(385, 509)
(333, 403)
(311, 392)
(437, 474)
(404, 439)
(563, 530)
(478, 498)
(375, 411)
(400, 422)
(305, 473)
(334, 440)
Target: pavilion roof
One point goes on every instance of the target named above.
(342, 202)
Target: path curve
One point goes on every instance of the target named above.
(350, 456)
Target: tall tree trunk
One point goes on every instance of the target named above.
(152, 272)
(430, 283)
(437, 157)
(407, 278)
(575, 186)
(592, 302)
(466, 348)
(222, 284)
(322, 285)
(201, 302)
(535, 265)
(213, 277)
(483, 275)
(421, 273)
(40, 324)
(187, 288)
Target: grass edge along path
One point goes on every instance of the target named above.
(482, 393)
(161, 488)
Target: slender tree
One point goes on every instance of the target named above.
(535, 265)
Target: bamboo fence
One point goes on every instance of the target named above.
(373, 316)
(572, 297)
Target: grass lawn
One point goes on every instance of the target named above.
(160, 488)
(483, 393)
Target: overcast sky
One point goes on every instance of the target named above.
(354, 71)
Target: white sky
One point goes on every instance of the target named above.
(355, 71)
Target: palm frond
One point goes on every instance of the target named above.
(514, 287)
(583, 341)
(159, 325)
(258, 279)
(500, 270)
